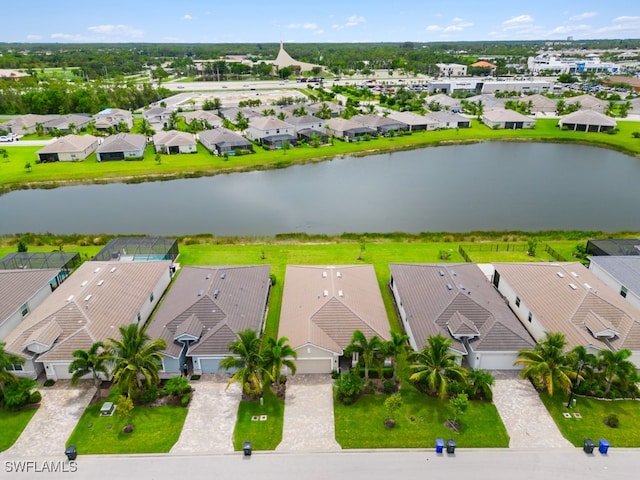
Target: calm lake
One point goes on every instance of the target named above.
(487, 186)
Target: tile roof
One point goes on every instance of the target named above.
(323, 306)
(625, 269)
(220, 136)
(173, 138)
(69, 144)
(123, 142)
(266, 123)
(18, 286)
(504, 115)
(588, 117)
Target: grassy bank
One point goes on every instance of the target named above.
(14, 175)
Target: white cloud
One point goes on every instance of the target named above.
(517, 22)
(457, 25)
(351, 21)
(117, 31)
(68, 37)
(186, 16)
(583, 16)
(623, 24)
(306, 26)
(32, 38)
(318, 32)
(433, 28)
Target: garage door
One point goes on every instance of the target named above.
(61, 371)
(322, 365)
(209, 365)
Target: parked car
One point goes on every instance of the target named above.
(6, 138)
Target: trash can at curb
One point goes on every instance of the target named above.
(451, 446)
(588, 445)
(71, 452)
(439, 445)
(603, 446)
(246, 448)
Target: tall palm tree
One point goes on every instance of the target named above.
(367, 349)
(436, 366)
(480, 383)
(136, 358)
(394, 347)
(583, 361)
(614, 367)
(7, 360)
(277, 354)
(547, 365)
(92, 361)
(247, 362)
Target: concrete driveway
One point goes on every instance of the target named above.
(308, 415)
(46, 434)
(211, 419)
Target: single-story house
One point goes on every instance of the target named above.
(209, 119)
(28, 123)
(112, 118)
(205, 310)
(158, 117)
(382, 125)
(540, 103)
(444, 102)
(271, 131)
(222, 141)
(307, 122)
(588, 102)
(21, 292)
(335, 108)
(567, 297)
(323, 306)
(173, 141)
(70, 148)
(448, 119)
(121, 147)
(587, 121)
(71, 123)
(622, 274)
(90, 306)
(488, 101)
(458, 302)
(507, 119)
(414, 121)
(348, 129)
(231, 113)
(613, 246)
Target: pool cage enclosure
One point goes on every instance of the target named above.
(66, 261)
(139, 249)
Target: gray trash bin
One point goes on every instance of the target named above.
(246, 448)
(71, 452)
(451, 446)
(589, 445)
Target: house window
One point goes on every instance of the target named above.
(517, 301)
(16, 367)
(24, 310)
(623, 292)
(151, 297)
(530, 317)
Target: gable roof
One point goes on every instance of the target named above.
(214, 304)
(123, 142)
(457, 301)
(587, 102)
(17, 287)
(173, 138)
(267, 123)
(69, 144)
(222, 136)
(411, 118)
(588, 117)
(323, 306)
(90, 305)
(625, 269)
(377, 121)
(504, 115)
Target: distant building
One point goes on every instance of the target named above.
(285, 60)
(542, 64)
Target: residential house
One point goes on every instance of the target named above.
(122, 146)
(21, 292)
(622, 274)
(540, 104)
(414, 121)
(348, 130)
(323, 306)
(67, 123)
(613, 246)
(158, 117)
(307, 126)
(458, 302)
(488, 102)
(113, 118)
(507, 119)
(442, 102)
(71, 148)
(224, 142)
(447, 119)
(90, 306)
(587, 121)
(231, 113)
(205, 310)
(27, 124)
(568, 298)
(209, 119)
(335, 108)
(173, 141)
(382, 125)
(588, 102)
(271, 131)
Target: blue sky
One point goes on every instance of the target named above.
(304, 21)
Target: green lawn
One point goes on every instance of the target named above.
(263, 434)
(591, 425)
(157, 429)
(419, 422)
(13, 423)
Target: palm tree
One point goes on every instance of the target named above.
(7, 360)
(436, 366)
(92, 361)
(144, 127)
(137, 359)
(394, 347)
(247, 362)
(480, 383)
(366, 349)
(614, 367)
(278, 354)
(325, 112)
(582, 360)
(547, 365)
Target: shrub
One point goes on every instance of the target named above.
(349, 385)
(177, 386)
(612, 421)
(148, 394)
(185, 399)
(388, 386)
(195, 377)
(17, 394)
(49, 383)
(347, 401)
(124, 406)
(35, 397)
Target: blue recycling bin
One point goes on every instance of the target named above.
(439, 445)
(603, 446)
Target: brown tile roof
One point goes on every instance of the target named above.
(90, 305)
(18, 286)
(323, 306)
(223, 300)
(568, 298)
(457, 298)
(69, 144)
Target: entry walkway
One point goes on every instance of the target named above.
(211, 419)
(308, 415)
(527, 420)
(47, 433)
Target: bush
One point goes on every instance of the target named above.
(347, 401)
(612, 421)
(185, 399)
(35, 397)
(177, 386)
(17, 394)
(148, 394)
(388, 386)
(349, 385)
(49, 383)
(195, 377)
